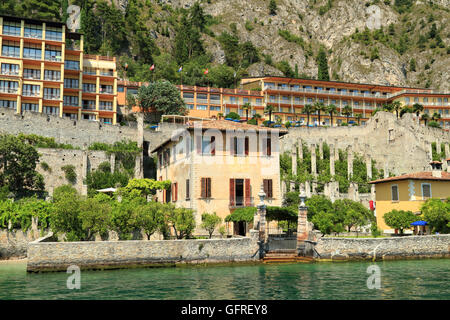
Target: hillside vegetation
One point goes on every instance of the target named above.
(398, 42)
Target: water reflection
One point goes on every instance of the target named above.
(413, 279)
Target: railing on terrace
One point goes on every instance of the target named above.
(9, 90)
(31, 93)
(11, 54)
(10, 73)
(94, 57)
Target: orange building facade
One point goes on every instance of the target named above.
(288, 96)
(44, 69)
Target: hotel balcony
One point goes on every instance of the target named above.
(52, 97)
(9, 90)
(328, 92)
(31, 94)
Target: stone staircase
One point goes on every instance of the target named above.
(285, 256)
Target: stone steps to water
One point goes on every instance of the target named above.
(284, 256)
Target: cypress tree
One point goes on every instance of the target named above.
(322, 64)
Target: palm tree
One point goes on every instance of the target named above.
(347, 111)
(319, 106)
(247, 106)
(435, 116)
(388, 107)
(417, 107)
(308, 109)
(332, 109)
(396, 106)
(425, 118)
(358, 116)
(269, 109)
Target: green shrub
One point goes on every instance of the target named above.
(69, 171)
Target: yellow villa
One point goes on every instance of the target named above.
(409, 192)
(218, 166)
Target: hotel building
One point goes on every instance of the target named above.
(288, 96)
(44, 69)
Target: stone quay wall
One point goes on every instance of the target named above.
(57, 256)
(406, 247)
(14, 243)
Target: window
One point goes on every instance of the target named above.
(32, 74)
(214, 98)
(52, 53)
(11, 28)
(106, 105)
(190, 106)
(51, 110)
(426, 191)
(72, 65)
(52, 75)
(202, 107)
(240, 192)
(31, 90)
(207, 145)
(71, 116)
(71, 101)
(425, 99)
(174, 192)
(205, 188)
(71, 83)
(202, 96)
(188, 95)
(245, 100)
(107, 72)
(132, 91)
(394, 192)
(32, 51)
(106, 88)
(10, 69)
(214, 108)
(90, 117)
(53, 33)
(268, 188)
(88, 87)
(51, 93)
(406, 100)
(237, 146)
(188, 191)
(120, 89)
(10, 104)
(33, 31)
(267, 147)
(309, 100)
(30, 107)
(11, 48)
(89, 104)
(106, 120)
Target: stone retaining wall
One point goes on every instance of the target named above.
(57, 256)
(13, 243)
(384, 248)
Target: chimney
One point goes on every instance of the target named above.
(448, 164)
(436, 169)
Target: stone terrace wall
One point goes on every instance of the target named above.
(83, 161)
(81, 133)
(399, 145)
(384, 248)
(14, 243)
(57, 256)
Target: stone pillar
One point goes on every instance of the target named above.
(372, 192)
(369, 167)
(84, 172)
(112, 162)
(294, 160)
(314, 187)
(438, 147)
(336, 150)
(332, 169)
(259, 220)
(313, 160)
(353, 193)
(140, 129)
(304, 247)
(138, 167)
(321, 149)
(349, 161)
(308, 189)
(447, 150)
(430, 151)
(300, 149)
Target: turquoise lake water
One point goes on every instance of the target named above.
(409, 279)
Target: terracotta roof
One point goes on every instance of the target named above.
(224, 125)
(231, 125)
(426, 175)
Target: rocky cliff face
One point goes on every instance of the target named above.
(332, 24)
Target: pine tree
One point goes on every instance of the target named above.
(322, 64)
(273, 7)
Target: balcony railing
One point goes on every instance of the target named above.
(107, 73)
(52, 96)
(104, 91)
(9, 90)
(106, 108)
(49, 78)
(87, 90)
(31, 93)
(89, 107)
(321, 91)
(11, 54)
(32, 76)
(53, 58)
(34, 35)
(10, 73)
(92, 73)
